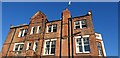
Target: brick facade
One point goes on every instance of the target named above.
(65, 36)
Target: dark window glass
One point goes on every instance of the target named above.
(79, 41)
(77, 24)
(54, 28)
(53, 47)
(86, 44)
(30, 44)
(99, 48)
(33, 30)
(36, 45)
(49, 28)
(47, 47)
(16, 47)
(21, 46)
(21, 32)
(84, 24)
(25, 32)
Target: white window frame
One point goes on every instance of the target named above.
(34, 46)
(51, 28)
(32, 30)
(22, 33)
(18, 46)
(80, 21)
(77, 49)
(100, 45)
(38, 29)
(50, 46)
(19, 35)
(28, 46)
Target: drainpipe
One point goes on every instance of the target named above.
(42, 38)
(61, 39)
(68, 38)
(72, 39)
(10, 43)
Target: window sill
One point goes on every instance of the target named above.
(50, 32)
(79, 28)
(22, 36)
(48, 54)
(83, 52)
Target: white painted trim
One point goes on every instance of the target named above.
(31, 30)
(77, 51)
(80, 24)
(50, 46)
(83, 52)
(34, 46)
(19, 35)
(27, 46)
(53, 39)
(38, 29)
(51, 27)
(103, 48)
(78, 37)
(86, 36)
(23, 32)
(74, 25)
(15, 46)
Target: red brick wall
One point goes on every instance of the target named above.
(39, 19)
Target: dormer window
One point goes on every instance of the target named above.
(22, 32)
(80, 24)
(52, 28)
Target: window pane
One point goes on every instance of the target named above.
(53, 47)
(99, 48)
(87, 48)
(36, 44)
(54, 28)
(77, 24)
(47, 47)
(49, 28)
(21, 46)
(16, 47)
(86, 44)
(21, 32)
(83, 22)
(46, 50)
(80, 48)
(79, 41)
(86, 40)
(79, 44)
(25, 32)
(52, 50)
(33, 31)
(77, 27)
(30, 44)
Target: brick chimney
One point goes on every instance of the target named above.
(65, 16)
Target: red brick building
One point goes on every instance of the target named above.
(68, 36)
